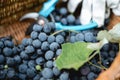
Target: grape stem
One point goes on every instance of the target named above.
(64, 30)
(96, 52)
(101, 66)
(95, 65)
(57, 32)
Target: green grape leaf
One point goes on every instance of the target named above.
(73, 55)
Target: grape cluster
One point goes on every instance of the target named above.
(34, 58)
(62, 15)
(39, 53)
(9, 58)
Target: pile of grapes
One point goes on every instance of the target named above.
(34, 58)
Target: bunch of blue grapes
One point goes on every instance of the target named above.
(91, 70)
(9, 58)
(34, 58)
(62, 15)
(107, 53)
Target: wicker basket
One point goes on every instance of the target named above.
(12, 10)
(9, 24)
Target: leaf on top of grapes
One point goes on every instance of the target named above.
(74, 55)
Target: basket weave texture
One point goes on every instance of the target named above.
(12, 10)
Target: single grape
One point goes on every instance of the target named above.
(80, 37)
(51, 38)
(37, 27)
(17, 59)
(24, 41)
(36, 43)
(49, 55)
(70, 19)
(54, 46)
(89, 37)
(47, 73)
(40, 60)
(39, 52)
(64, 76)
(29, 41)
(58, 52)
(42, 36)
(64, 21)
(45, 46)
(23, 68)
(15, 50)
(46, 28)
(60, 39)
(57, 18)
(7, 51)
(63, 11)
(85, 70)
(23, 55)
(10, 61)
(31, 63)
(34, 35)
(38, 67)
(31, 72)
(29, 49)
(112, 53)
(72, 39)
(10, 73)
(91, 76)
(49, 64)
(56, 71)
(20, 47)
(9, 43)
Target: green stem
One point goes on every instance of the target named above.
(103, 67)
(95, 65)
(64, 30)
(57, 32)
(100, 59)
(96, 52)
